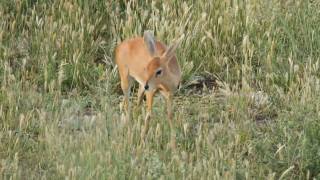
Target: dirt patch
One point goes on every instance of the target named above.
(200, 84)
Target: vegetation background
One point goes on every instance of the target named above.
(248, 108)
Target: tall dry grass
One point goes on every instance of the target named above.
(59, 112)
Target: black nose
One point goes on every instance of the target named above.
(146, 87)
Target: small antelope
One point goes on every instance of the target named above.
(155, 67)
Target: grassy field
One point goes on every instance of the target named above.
(248, 107)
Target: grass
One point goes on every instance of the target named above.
(60, 93)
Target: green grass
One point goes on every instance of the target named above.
(60, 91)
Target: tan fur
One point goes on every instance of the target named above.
(140, 59)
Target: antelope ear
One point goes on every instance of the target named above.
(149, 41)
(169, 53)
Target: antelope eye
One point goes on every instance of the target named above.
(158, 72)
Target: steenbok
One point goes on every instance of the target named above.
(156, 69)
